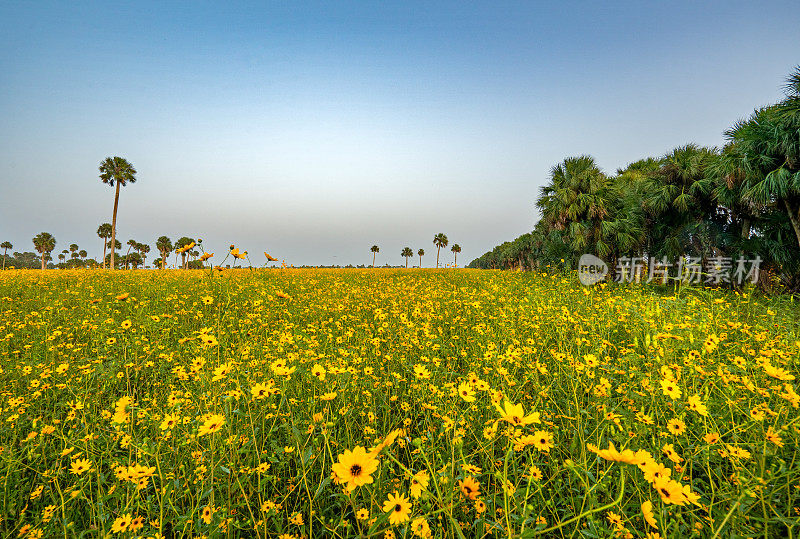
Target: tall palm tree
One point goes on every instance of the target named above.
(116, 170)
(421, 253)
(439, 240)
(104, 232)
(375, 249)
(407, 252)
(73, 249)
(62, 256)
(83, 254)
(44, 242)
(116, 247)
(164, 246)
(6, 245)
(456, 248)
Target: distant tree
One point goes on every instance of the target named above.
(63, 255)
(44, 243)
(132, 243)
(440, 240)
(73, 249)
(406, 253)
(83, 254)
(27, 260)
(134, 259)
(421, 253)
(143, 249)
(180, 244)
(116, 170)
(117, 246)
(164, 246)
(456, 248)
(375, 250)
(104, 232)
(6, 245)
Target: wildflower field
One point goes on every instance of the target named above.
(393, 403)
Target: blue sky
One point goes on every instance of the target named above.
(315, 130)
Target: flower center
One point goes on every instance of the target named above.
(355, 470)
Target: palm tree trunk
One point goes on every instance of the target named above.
(745, 228)
(373, 260)
(406, 262)
(114, 226)
(792, 210)
(437, 258)
(105, 246)
(4, 258)
(42, 260)
(127, 256)
(420, 261)
(455, 260)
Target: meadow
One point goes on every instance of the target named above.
(393, 403)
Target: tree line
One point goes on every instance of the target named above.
(115, 172)
(694, 201)
(439, 240)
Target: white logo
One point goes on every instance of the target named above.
(591, 270)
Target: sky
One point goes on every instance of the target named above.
(314, 130)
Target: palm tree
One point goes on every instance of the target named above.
(456, 248)
(73, 249)
(6, 245)
(120, 171)
(61, 256)
(439, 240)
(421, 253)
(131, 245)
(790, 107)
(769, 154)
(117, 245)
(104, 232)
(375, 249)
(407, 252)
(575, 203)
(164, 246)
(83, 254)
(180, 244)
(143, 249)
(44, 243)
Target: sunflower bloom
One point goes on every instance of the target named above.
(398, 507)
(211, 425)
(514, 414)
(355, 467)
(647, 513)
(470, 487)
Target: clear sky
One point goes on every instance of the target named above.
(315, 130)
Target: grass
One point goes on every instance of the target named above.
(248, 403)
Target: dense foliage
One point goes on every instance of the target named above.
(743, 199)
